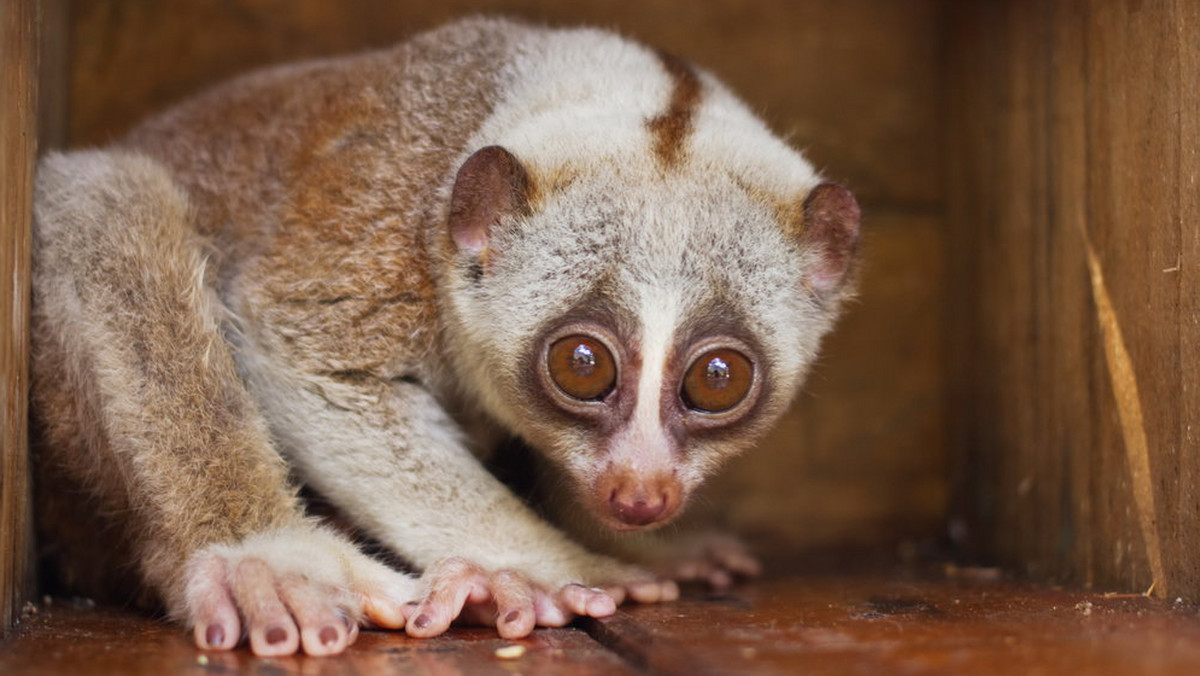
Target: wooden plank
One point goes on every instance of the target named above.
(101, 641)
(870, 624)
(18, 134)
(819, 623)
(650, 651)
(1070, 193)
(1182, 532)
(1133, 141)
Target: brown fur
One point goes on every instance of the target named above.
(144, 350)
(670, 129)
(291, 175)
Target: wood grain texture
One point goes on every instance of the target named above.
(61, 639)
(906, 622)
(868, 624)
(852, 82)
(18, 147)
(1071, 192)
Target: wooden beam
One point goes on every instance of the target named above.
(1071, 186)
(18, 149)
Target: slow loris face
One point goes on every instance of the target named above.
(642, 413)
(641, 329)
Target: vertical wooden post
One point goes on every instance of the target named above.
(1073, 205)
(18, 149)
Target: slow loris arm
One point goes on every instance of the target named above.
(389, 456)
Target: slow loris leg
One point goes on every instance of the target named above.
(136, 392)
(388, 455)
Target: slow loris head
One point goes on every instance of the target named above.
(640, 315)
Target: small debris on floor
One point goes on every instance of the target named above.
(510, 652)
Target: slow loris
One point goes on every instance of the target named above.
(359, 274)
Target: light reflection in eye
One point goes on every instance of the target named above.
(717, 373)
(583, 361)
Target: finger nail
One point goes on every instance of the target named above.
(276, 635)
(512, 617)
(328, 636)
(214, 635)
(421, 622)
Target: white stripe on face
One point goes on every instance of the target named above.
(643, 445)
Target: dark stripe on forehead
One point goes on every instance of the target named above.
(670, 129)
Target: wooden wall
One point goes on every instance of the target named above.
(853, 82)
(18, 137)
(1074, 322)
(1028, 171)
(1030, 299)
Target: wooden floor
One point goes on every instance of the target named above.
(945, 623)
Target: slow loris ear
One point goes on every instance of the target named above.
(830, 225)
(490, 184)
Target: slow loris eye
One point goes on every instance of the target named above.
(717, 381)
(582, 367)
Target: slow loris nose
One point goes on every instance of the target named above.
(638, 509)
(644, 500)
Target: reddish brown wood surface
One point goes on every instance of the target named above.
(842, 624)
(870, 624)
(71, 640)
